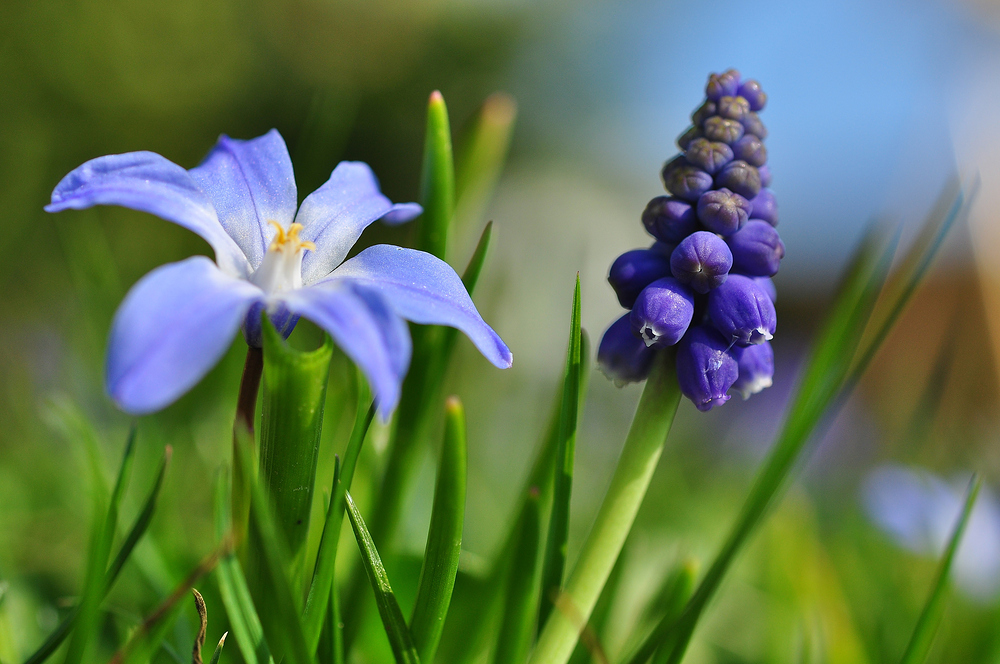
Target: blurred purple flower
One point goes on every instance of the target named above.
(918, 510)
(177, 321)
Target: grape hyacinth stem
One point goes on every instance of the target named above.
(638, 460)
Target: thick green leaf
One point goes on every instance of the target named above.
(521, 602)
(326, 558)
(930, 617)
(388, 608)
(291, 425)
(243, 619)
(554, 560)
(640, 454)
(444, 537)
(280, 610)
(437, 189)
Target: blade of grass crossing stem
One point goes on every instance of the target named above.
(599, 616)
(437, 189)
(243, 619)
(674, 595)
(640, 454)
(930, 617)
(444, 537)
(521, 603)
(281, 613)
(392, 617)
(482, 158)
(326, 557)
(823, 380)
(554, 560)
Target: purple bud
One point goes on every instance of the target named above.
(701, 261)
(765, 206)
(752, 92)
(720, 85)
(765, 175)
(708, 155)
(740, 177)
(689, 135)
(669, 219)
(634, 270)
(741, 310)
(720, 129)
(622, 356)
(705, 370)
(768, 286)
(684, 180)
(662, 313)
(756, 365)
(757, 249)
(723, 212)
(733, 108)
(751, 150)
(751, 122)
(703, 112)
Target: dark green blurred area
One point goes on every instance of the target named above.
(349, 80)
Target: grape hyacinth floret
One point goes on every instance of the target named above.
(713, 297)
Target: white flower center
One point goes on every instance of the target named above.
(281, 269)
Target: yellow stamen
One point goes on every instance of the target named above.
(290, 240)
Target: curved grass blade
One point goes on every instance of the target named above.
(675, 593)
(326, 558)
(599, 616)
(930, 617)
(521, 604)
(554, 560)
(392, 617)
(836, 364)
(444, 537)
(243, 619)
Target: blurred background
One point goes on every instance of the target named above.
(873, 107)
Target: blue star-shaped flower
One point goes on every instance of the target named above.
(177, 321)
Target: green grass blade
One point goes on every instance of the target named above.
(392, 617)
(438, 179)
(121, 483)
(141, 523)
(444, 537)
(640, 454)
(599, 616)
(243, 619)
(482, 158)
(521, 603)
(218, 650)
(676, 592)
(930, 617)
(326, 558)
(554, 560)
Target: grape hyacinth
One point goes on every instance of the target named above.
(704, 286)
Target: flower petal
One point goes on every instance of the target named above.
(172, 327)
(147, 182)
(366, 329)
(337, 213)
(424, 289)
(250, 182)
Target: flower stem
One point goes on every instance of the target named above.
(638, 460)
(246, 409)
